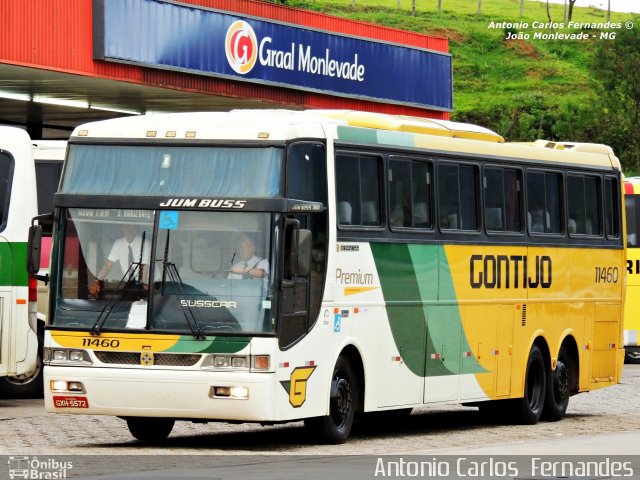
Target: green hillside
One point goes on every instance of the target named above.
(523, 88)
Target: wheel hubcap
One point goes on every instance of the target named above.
(340, 400)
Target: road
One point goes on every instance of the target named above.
(603, 422)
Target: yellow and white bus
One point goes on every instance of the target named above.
(632, 304)
(392, 262)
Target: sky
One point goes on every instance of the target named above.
(632, 6)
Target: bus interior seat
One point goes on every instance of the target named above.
(344, 213)
(493, 218)
(453, 221)
(420, 215)
(370, 215)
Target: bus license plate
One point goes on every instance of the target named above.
(70, 402)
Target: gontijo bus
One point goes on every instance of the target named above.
(632, 304)
(18, 204)
(410, 262)
(46, 157)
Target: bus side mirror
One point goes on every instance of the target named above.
(34, 244)
(304, 252)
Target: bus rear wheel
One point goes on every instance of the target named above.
(336, 427)
(558, 388)
(528, 410)
(150, 429)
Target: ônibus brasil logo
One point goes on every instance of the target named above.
(241, 46)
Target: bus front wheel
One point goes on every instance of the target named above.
(528, 410)
(336, 427)
(150, 429)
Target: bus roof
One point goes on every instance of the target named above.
(49, 149)
(347, 126)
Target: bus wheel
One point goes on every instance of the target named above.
(150, 429)
(336, 427)
(28, 385)
(558, 388)
(632, 355)
(528, 409)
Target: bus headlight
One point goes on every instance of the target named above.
(66, 356)
(237, 393)
(64, 386)
(236, 362)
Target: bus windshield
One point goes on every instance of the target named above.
(201, 273)
(173, 170)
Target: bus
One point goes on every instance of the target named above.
(390, 262)
(18, 204)
(632, 304)
(44, 158)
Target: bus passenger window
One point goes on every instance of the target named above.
(544, 208)
(410, 193)
(6, 174)
(457, 198)
(584, 205)
(502, 199)
(358, 190)
(611, 211)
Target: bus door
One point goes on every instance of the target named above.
(293, 309)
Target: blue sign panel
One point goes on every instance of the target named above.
(169, 219)
(195, 40)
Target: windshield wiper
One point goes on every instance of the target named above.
(118, 294)
(169, 269)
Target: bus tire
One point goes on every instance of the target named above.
(558, 388)
(343, 398)
(28, 385)
(632, 355)
(528, 409)
(150, 429)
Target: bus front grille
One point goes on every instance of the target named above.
(159, 359)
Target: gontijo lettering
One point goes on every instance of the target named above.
(509, 271)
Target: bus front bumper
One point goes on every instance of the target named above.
(238, 396)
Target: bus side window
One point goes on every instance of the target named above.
(632, 209)
(458, 196)
(544, 208)
(583, 202)
(409, 193)
(502, 199)
(358, 185)
(6, 178)
(611, 211)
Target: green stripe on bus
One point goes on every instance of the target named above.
(359, 135)
(210, 345)
(411, 275)
(13, 264)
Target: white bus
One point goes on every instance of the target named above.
(44, 157)
(274, 266)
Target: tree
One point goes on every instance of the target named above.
(440, 5)
(479, 12)
(609, 11)
(521, 7)
(570, 14)
(615, 67)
